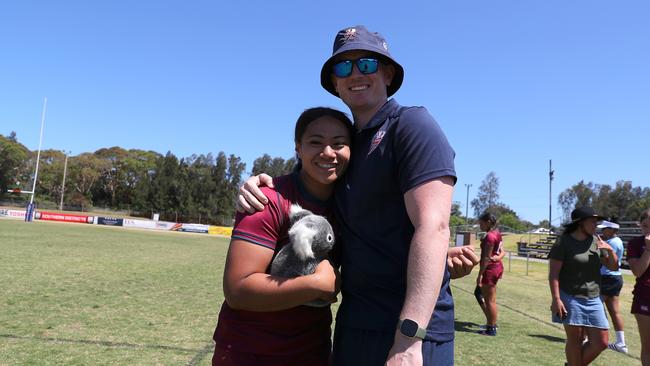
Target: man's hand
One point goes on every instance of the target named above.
(250, 197)
(461, 261)
(405, 351)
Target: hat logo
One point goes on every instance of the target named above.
(385, 46)
(350, 34)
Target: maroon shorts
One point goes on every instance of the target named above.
(640, 306)
(226, 357)
(492, 274)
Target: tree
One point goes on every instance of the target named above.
(50, 175)
(274, 167)
(512, 221)
(577, 196)
(84, 171)
(488, 194)
(623, 201)
(12, 157)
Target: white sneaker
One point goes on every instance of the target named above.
(618, 347)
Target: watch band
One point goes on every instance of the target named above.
(411, 329)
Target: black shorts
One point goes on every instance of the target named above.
(611, 285)
(360, 347)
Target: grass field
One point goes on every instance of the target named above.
(73, 294)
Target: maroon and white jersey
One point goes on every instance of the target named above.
(284, 332)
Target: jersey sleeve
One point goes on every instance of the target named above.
(422, 150)
(263, 227)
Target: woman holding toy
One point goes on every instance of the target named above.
(262, 320)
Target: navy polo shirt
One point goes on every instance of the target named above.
(399, 149)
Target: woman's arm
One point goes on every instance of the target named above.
(498, 257)
(247, 287)
(640, 264)
(557, 306)
(610, 260)
(485, 260)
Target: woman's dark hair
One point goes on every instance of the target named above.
(489, 218)
(570, 227)
(312, 114)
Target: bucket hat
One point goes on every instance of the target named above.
(359, 38)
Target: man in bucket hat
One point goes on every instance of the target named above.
(393, 204)
(393, 207)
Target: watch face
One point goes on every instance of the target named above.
(409, 328)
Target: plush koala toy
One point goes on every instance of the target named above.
(311, 239)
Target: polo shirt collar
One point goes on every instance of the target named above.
(382, 114)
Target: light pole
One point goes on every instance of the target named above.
(65, 168)
(467, 204)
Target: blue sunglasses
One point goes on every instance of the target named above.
(343, 69)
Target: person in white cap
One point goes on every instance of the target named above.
(612, 283)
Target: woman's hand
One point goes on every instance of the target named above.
(557, 307)
(603, 245)
(327, 280)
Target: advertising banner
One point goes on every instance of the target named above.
(110, 221)
(193, 228)
(220, 230)
(54, 216)
(147, 224)
(14, 214)
(142, 224)
(164, 225)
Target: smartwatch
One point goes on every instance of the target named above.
(411, 329)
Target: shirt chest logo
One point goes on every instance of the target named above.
(376, 140)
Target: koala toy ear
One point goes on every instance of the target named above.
(296, 213)
(301, 236)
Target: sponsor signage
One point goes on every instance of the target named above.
(54, 216)
(147, 224)
(220, 230)
(111, 221)
(12, 213)
(194, 228)
(142, 224)
(163, 225)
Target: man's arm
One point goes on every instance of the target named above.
(428, 206)
(250, 198)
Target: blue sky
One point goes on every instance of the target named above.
(512, 83)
